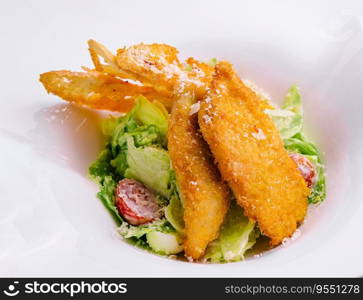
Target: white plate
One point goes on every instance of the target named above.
(51, 223)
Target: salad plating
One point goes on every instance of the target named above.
(199, 164)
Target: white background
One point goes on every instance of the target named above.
(51, 223)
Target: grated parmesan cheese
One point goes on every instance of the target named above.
(259, 135)
(194, 108)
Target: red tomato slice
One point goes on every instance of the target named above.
(135, 202)
(306, 168)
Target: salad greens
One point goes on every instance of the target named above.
(288, 118)
(174, 210)
(149, 165)
(237, 235)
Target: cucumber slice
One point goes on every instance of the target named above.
(164, 243)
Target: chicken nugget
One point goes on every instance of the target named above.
(251, 157)
(97, 90)
(205, 196)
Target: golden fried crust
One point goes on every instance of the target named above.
(154, 64)
(199, 77)
(97, 90)
(205, 196)
(158, 65)
(251, 156)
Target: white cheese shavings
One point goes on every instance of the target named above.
(259, 135)
(207, 119)
(194, 108)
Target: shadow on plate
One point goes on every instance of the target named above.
(69, 135)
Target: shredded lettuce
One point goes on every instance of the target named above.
(237, 235)
(137, 235)
(289, 121)
(131, 231)
(101, 167)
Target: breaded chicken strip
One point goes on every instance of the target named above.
(158, 65)
(205, 196)
(251, 156)
(97, 90)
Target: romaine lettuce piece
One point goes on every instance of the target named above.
(149, 165)
(237, 235)
(120, 163)
(288, 119)
(147, 122)
(109, 124)
(107, 196)
(101, 167)
(293, 101)
(150, 114)
(174, 212)
(299, 144)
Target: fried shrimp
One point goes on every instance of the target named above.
(251, 157)
(97, 90)
(205, 196)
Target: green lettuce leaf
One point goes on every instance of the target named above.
(149, 114)
(288, 119)
(293, 101)
(147, 123)
(109, 124)
(149, 165)
(237, 235)
(101, 167)
(107, 196)
(174, 212)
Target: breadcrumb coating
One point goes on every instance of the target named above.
(251, 156)
(205, 196)
(97, 90)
